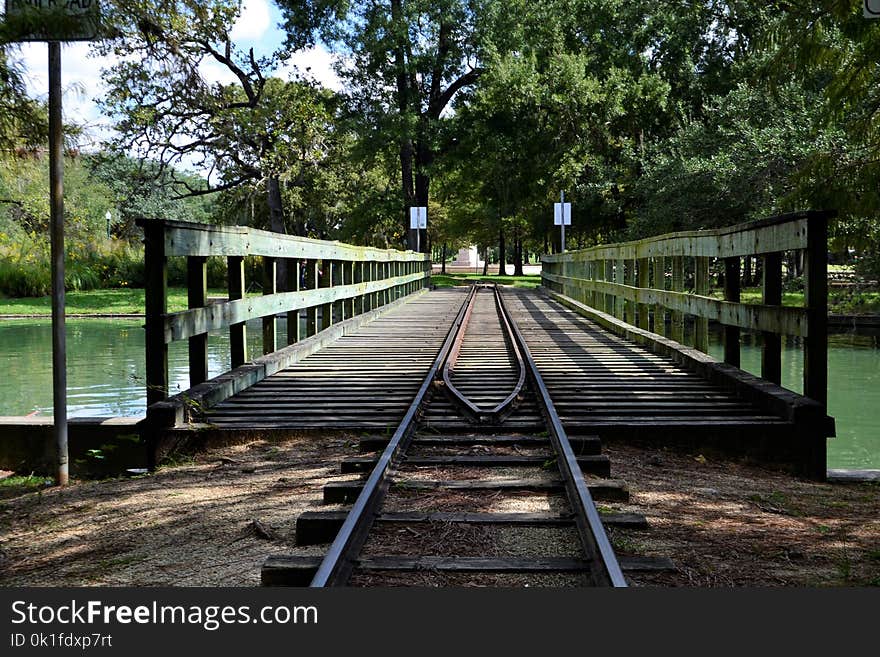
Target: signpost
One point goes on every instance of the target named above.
(871, 8)
(418, 221)
(562, 217)
(56, 21)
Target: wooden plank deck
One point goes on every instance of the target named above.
(605, 384)
(599, 382)
(363, 381)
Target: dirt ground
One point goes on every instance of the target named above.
(193, 522)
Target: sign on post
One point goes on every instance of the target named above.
(54, 20)
(562, 214)
(418, 218)
(871, 8)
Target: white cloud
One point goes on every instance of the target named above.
(315, 62)
(80, 79)
(253, 22)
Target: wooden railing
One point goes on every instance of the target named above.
(655, 283)
(328, 282)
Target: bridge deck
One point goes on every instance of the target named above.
(600, 383)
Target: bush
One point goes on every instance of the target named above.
(25, 265)
(868, 265)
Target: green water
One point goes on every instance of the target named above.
(105, 366)
(853, 390)
(106, 375)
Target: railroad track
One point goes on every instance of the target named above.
(479, 484)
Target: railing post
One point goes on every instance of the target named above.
(609, 278)
(348, 279)
(659, 284)
(677, 328)
(270, 323)
(156, 306)
(771, 350)
(367, 276)
(326, 281)
(359, 278)
(701, 287)
(374, 276)
(237, 332)
(197, 297)
(336, 281)
(312, 284)
(293, 285)
(644, 284)
(619, 308)
(816, 300)
(732, 272)
(630, 281)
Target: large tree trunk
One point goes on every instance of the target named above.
(276, 225)
(517, 255)
(502, 267)
(485, 261)
(443, 259)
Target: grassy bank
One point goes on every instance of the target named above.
(841, 301)
(450, 280)
(119, 301)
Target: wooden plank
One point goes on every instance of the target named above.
(644, 282)
(732, 280)
(771, 349)
(782, 233)
(677, 326)
(816, 300)
(298, 570)
(179, 326)
(293, 316)
(197, 297)
(237, 329)
(270, 287)
(752, 317)
(325, 281)
(701, 288)
(189, 238)
(595, 464)
(659, 283)
(156, 305)
(316, 527)
(343, 491)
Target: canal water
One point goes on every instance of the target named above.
(106, 375)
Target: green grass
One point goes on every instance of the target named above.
(118, 301)
(451, 280)
(840, 301)
(19, 481)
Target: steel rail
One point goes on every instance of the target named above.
(594, 540)
(506, 405)
(338, 563)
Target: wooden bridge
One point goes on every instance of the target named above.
(617, 332)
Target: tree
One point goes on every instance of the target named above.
(244, 133)
(408, 60)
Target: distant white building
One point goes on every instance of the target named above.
(469, 257)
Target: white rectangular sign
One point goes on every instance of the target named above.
(871, 8)
(562, 214)
(56, 20)
(418, 218)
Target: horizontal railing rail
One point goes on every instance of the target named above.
(326, 283)
(656, 283)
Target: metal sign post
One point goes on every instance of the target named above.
(418, 221)
(48, 20)
(562, 217)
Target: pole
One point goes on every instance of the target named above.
(56, 207)
(562, 201)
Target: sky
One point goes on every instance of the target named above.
(257, 27)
